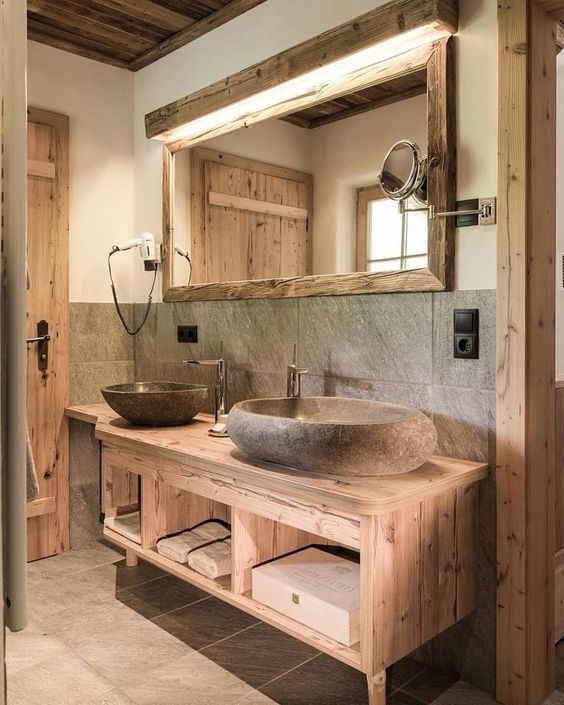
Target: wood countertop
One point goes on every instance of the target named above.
(191, 449)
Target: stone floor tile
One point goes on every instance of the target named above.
(259, 654)
(64, 681)
(29, 648)
(130, 649)
(193, 680)
(205, 622)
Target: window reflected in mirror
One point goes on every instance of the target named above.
(387, 239)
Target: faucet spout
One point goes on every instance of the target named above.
(220, 386)
(294, 376)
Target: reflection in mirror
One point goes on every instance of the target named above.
(404, 172)
(296, 196)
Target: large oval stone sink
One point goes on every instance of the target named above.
(333, 435)
(156, 403)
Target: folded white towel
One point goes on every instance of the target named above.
(213, 560)
(179, 547)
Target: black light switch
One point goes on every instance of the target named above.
(467, 333)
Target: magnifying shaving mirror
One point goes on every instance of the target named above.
(404, 173)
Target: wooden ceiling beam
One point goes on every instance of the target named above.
(377, 25)
(180, 39)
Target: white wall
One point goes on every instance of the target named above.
(99, 101)
(346, 155)
(278, 24)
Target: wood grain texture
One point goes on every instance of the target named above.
(437, 60)
(554, 8)
(191, 449)
(407, 85)
(127, 34)
(441, 150)
(559, 597)
(184, 36)
(559, 468)
(415, 558)
(314, 285)
(249, 220)
(525, 354)
(222, 590)
(375, 26)
(48, 261)
(411, 574)
(255, 540)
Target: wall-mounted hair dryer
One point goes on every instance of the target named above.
(148, 252)
(147, 249)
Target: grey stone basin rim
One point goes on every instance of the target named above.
(333, 435)
(153, 387)
(403, 414)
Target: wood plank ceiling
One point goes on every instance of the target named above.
(397, 89)
(127, 33)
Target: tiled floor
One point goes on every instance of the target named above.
(104, 634)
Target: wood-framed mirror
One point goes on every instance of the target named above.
(288, 204)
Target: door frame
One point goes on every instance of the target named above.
(525, 418)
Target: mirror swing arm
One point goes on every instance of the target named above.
(190, 121)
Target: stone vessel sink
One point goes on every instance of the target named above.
(333, 435)
(156, 403)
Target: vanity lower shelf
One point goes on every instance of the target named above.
(221, 588)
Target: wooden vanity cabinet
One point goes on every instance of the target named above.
(418, 550)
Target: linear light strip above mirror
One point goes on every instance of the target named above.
(326, 66)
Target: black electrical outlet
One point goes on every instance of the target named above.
(187, 334)
(467, 333)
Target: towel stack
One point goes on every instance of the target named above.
(206, 548)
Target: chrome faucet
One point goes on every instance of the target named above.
(220, 389)
(294, 376)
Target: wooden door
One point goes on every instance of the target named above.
(250, 220)
(47, 300)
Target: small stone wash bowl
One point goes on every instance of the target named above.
(156, 403)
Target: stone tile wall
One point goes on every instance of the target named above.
(101, 352)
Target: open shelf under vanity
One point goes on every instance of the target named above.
(415, 534)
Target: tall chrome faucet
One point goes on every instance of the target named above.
(294, 377)
(220, 387)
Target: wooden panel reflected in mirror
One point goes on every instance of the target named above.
(258, 219)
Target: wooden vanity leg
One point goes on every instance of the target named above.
(131, 559)
(377, 688)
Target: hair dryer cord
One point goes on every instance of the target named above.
(136, 330)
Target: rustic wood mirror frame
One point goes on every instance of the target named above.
(438, 60)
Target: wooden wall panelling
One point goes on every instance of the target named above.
(559, 469)
(377, 25)
(525, 354)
